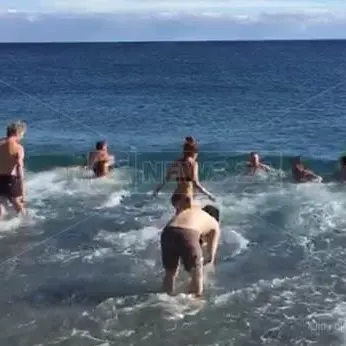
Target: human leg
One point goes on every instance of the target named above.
(170, 260)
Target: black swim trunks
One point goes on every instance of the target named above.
(181, 243)
(10, 186)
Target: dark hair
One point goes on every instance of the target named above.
(190, 147)
(212, 211)
(100, 145)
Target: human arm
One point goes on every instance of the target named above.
(309, 174)
(213, 237)
(265, 167)
(20, 168)
(198, 185)
(111, 160)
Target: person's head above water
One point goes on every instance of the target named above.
(190, 147)
(101, 145)
(212, 211)
(189, 139)
(16, 129)
(254, 158)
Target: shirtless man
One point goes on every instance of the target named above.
(254, 164)
(12, 168)
(99, 160)
(301, 174)
(181, 238)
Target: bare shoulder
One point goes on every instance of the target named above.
(209, 222)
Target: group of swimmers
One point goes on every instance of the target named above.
(191, 229)
(182, 238)
(300, 174)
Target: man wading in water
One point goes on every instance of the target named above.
(12, 168)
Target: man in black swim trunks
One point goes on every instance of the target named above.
(12, 168)
(181, 239)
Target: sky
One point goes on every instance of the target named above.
(167, 20)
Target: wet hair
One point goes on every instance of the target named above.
(343, 160)
(189, 139)
(16, 128)
(212, 211)
(190, 147)
(100, 145)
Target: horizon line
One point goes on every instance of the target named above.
(178, 41)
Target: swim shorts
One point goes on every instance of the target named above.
(10, 186)
(181, 243)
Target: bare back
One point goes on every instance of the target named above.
(10, 153)
(195, 219)
(183, 171)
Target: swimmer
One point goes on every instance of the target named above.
(99, 160)
(254, 164)
(301, 174)
(185, 171)
(180, 239)
(12, 168)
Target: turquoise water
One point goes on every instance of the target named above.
(85, 268)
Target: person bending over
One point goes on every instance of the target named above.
(181, 239)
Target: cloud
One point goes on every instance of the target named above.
(191, 6)
(151, 20)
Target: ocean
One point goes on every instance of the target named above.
(85, 269)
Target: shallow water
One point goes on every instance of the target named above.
(84, 268)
